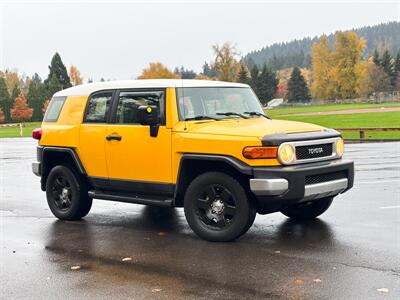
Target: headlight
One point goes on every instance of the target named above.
(339, 147)
(286, 154)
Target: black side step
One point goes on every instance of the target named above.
(103, 195)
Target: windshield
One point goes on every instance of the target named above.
(217, 103)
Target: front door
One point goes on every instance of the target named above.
(136, 161)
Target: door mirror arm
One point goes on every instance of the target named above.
(154, 130)
(148, 115)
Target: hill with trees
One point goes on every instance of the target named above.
(297, 53)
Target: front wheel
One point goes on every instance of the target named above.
(308, 210)
(67, 194)
(217, 207)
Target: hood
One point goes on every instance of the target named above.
(253, 127)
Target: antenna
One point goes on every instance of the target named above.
(184, 106)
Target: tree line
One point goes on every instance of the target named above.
(338, 71)
(226, 65)
(26, 99)
(297, 53)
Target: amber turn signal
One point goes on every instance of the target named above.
(260, 152)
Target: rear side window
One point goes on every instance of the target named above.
(54, 109)
(98, 108)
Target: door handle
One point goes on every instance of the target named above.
(113, 137)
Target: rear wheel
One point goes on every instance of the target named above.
(67, 194)
(308, 210)
(217, 207)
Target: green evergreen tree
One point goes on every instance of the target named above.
(5, 100)
(397, 63)
(254, 78)
(388, 66)
(37, 95)
(243, 75)
(208, 71)
(57, 72)
(376, 59)
(297, 87)
(53, 86)
(267, 85)
(185, 73)
(15, 92)
(249, 63)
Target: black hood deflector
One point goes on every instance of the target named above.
(278, 138)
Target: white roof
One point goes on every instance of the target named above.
(86, 89)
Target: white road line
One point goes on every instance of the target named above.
(388, 207)
(377, 181)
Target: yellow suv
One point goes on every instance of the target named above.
(206, 146)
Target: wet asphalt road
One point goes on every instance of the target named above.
(349, 253)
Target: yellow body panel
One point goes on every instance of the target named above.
(92, 149)
(65, 132)
(138, 156)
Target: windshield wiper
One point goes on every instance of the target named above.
(201, 118)
(256, 113)
(231, 113)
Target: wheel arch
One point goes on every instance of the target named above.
(53, 156)
(192, 165)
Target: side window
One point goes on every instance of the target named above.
(98, 107)
(54, 109)
(129, 102)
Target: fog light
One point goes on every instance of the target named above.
(286, 154)
(339, 147)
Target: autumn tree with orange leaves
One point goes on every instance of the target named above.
(75, 75)
(21, 110)
(157, 71)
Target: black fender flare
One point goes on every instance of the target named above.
(233, 162)
(51, 149)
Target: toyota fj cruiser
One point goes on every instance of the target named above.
(206, 146)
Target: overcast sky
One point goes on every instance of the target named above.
(117, 40)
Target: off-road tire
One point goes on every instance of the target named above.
(232, 194)
(75, 204)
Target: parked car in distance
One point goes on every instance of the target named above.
(206, 146)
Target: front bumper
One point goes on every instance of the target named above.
(277, 187)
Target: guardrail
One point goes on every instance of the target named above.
(362, 131)
(10, 125)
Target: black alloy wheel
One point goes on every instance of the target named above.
(61, 192)
(217, 207)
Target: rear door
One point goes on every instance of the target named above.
(136, 161)
(92, 137)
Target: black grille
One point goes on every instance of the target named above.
(314, 151)
(312, 179)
